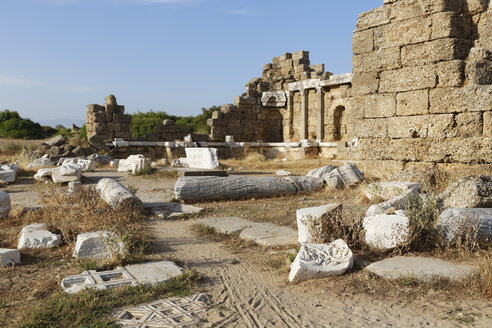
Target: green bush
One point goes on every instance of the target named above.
(16, 127)
(145, 123)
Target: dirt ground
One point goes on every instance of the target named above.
(248, 283)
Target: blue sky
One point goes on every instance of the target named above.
(173, 55)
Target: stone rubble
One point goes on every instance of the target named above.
(397, 203)
(115, 194)
(5, 205)
(314, 223)
(457, 223)
(40, 162)
(384, 191)
(134, 163)
(386, 231)
(8, 173)
(471, 191)
(321, 260)
(37, 236)
(98, 244)
(321, 172)
(44, 175)
(9, 257)
(347, 175)
(66, 173)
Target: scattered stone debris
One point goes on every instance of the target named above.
(170, 312)
(86, 165)
(347, 175)
(8, 173)
(100, 160)
(472, 191)
(321, 260)
(283, 173)
(9, 257)
(313, 223)
(98, 244)
(44, 174)
(133, 163)
(385, 231)
(40, 162)
(115, 194)
(5, 205)
(471, 223)
(135, 274)
(37, 236)
(397, 203)
(420, 268)
(66, 173)
(321, 172)
(202, 158)
(384, 191)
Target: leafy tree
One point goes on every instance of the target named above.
(12, 125)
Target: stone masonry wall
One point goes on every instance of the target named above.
(104, 123)
(422, 83)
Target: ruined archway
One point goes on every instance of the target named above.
(273, 128)
(339, 129)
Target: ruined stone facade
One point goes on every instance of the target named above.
(421, 89)
(290, 102)
(422, 82)
(104, 123)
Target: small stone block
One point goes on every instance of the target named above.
(9, 257)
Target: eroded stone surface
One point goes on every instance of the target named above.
(307, 184)
(385, 231)
(399, 202)
(313, 223)
(7, 175)
(98, 244)
(170, 312)
(36, 236)
(66, 173)
(321, 260)
(268, 234)
(154, 272)
(321, 172)
(5, 205)
(115, 194)
(472, 191)
(454, 223)
(420, 268)
(347, 175)
(9, 257)
(134, 163)
(43, 174)
(384, 191)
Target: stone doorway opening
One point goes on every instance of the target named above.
(339, 129)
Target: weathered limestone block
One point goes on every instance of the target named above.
(468, 125)
(66, 173)
(485, 30)
(9, 257)
(382, 59)
(115, 194)
(371, 128)
(321, 172)
(86, 165)
(7, 175)
(321, 260)
(43, 174)
(465, 99)
(487, 124)
(98, 244)
(134, 163)
(232, 187)
(384, 231)
(450, 24)
(412, 103)
(455, 223)
(268, 234)
(307, 184)
(4, 204)
(479, 72)
(202, 158)
(40, 162)
(451, 73)
(55, 141)
(372, 18)
(471, 191)
(36, 236)
(384, 191)
(365, 83)
(399, 202)
(314, 223)
(431, 126)
(347, 175)
(434, 51)
(379, 105)
(408, 79)
(363, 41)
(403, 33)
(420, 268)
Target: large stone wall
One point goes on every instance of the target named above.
(292, 101)
(422, 82)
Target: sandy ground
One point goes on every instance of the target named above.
(246, 292)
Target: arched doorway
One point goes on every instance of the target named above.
(338, 123)
(273, 128)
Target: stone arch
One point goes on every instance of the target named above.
(272, 126)
(339, 124)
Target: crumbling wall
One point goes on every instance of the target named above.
(422, 82)
(168, 131)
(104, 123)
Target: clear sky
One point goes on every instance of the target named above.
(57, 56)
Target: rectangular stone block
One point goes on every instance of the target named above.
(407, 79)
(100, 117)
(451, 73)
(382, 59)
(485, 30)
(379, 105)
(479, 72)
(300, 55)
(403, 33)
(412, 103)
(365, 83)
(372, 18)
(469, 124)
(434, 51)
(216, 122)
(423, 126)
(363, 41)
(9, 257)
(487, 124)
(457, 100)
(450, 25)
(371, 128)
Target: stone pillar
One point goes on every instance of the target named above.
(290, 110)
(321, 113)
(303, 131)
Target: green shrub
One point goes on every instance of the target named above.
(16, 127)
